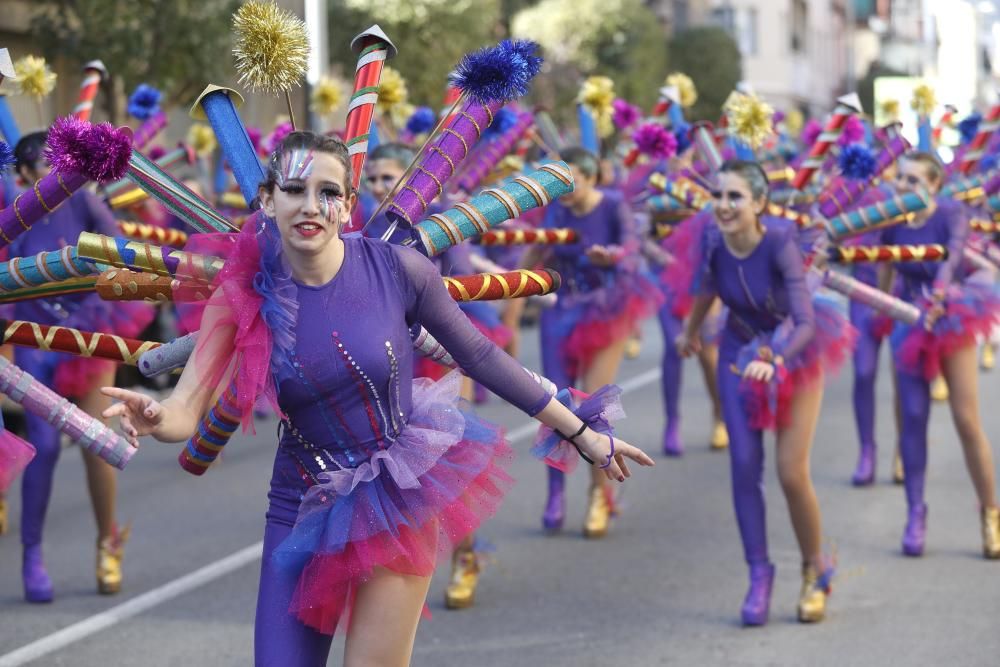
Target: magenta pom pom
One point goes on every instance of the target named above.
(156, 152)
(625, 115)
(853, 131)
(66, 145)
(811, 132)
(279, 133)
(256, 136)
(655, 141)
(109, 149)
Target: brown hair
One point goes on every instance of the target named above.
(308, 141)
(930, 162)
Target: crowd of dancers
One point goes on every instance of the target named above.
(336, 279)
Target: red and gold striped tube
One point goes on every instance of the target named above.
(506, 237)
(162, 235)
(74, 341)
(510, 285)
(985, 226)
(93, 73)
(932, 252)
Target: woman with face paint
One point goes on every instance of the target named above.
(773, 350)
(956, 310)
(375, 474)
(602, 300)
(76, 378)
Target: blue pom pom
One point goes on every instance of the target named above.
(968, 127)
(144, 102)
(422, 120)
(6, 157)
(502, 121)
(989, 162)
(857, 162)
(682, 132)
(501, 72)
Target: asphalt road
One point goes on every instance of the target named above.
(663, 589)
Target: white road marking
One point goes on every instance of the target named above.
(141, 603)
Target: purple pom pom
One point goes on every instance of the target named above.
(857, 162)
(968, 127)
(625, 115)
(498, 73)
(110, 148)
(811, 132)
(277, 135)
(853, 131)
(6, 157)
(655, 141)
(66, 144)
(144, 102)
(778, 117)
(422, 120)
(156, 152)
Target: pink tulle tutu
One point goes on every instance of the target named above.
(15, 455)
(678, 276)
(971, 311)
(401, 510)
(768, 404)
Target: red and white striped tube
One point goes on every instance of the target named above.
(819, 151)
(373, 49)
(946, 121)
(977, 147)
(93, 73)
(704, 143)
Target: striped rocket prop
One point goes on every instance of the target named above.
(493, 206)
(509, 237)
(166, 161)
(977, 147)
(43, 268)
(146, 257)
(946, 120)
(373, 48)
(87, 344)
(847, 106)
(876, 215)
(508, 285)
(884, 303)
(214, 432)
(8, 126)
(161, 235)
(94, 73)
(933, 252)
(838, 196)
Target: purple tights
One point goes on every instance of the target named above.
(746, 458)
(915, 410)
(672, 363)
(279, 638)
(865, 373)
(555, 326)
(36, 484)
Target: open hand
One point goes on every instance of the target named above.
(598, 447)
(600, 255)
(139, 414)
(687, 345)
(759, 370)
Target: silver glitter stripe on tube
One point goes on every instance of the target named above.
(167, 357)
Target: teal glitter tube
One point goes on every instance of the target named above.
(869, 217)
(487, 210)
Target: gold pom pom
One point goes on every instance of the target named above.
(596, 95)
(794, 121)
(685, 88)
(890, 108)
(271, 47)
(749, 119)
(391, 90)
(923, 101)
(34, 76)
(201, 138)
(326, 96)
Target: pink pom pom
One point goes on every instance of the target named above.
(156, 152)
(655, 141)
(853, 131)
(625, 115)
(279, 133)
(811, 132)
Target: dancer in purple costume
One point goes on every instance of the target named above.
(76, 378)
(603, 298)
(956, 311)
(375, 474)
(773, 351)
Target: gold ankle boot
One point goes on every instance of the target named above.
(720, 436)
(461, 592)
(939, 389)
(598, 512)
(812, 599)
(633, 347)
(897, 469)
(3, 516)
(991, 533)
(989, 358)
(110, 552)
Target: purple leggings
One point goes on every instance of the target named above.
(36, 483)
(915, 410)
(746, 458)
(672, 363)
(865, 373)
(555, 326)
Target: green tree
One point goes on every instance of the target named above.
(711, 58)
(431, 35)
(175, 45)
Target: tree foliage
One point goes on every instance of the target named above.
(711, 58)
(176, 45)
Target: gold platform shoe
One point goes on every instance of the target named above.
(812, 599)
(939, 389)
(991, 533)
(720, 436)
(989, 358)
(633, 348)
(599, 512)
(897, 469)
(110, 553)
(3, 516)
(461, 591)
